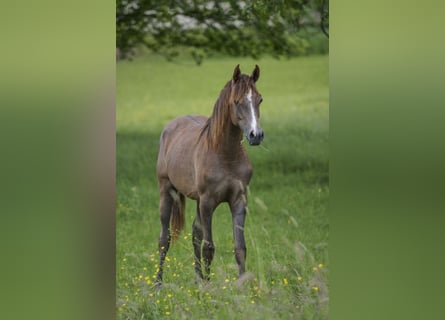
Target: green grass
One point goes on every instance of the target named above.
(287, 224)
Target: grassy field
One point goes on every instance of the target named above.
(287, 224)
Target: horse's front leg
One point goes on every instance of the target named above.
(238, 209)
(197, 241)
(206, 208)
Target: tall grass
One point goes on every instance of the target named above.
(287, 225)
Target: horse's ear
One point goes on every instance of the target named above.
(255, 73)
(236, 73)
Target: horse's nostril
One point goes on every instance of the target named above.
(252, 134)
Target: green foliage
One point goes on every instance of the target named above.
(287, 224)
(251, 28)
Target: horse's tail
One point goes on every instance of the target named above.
(177, 216)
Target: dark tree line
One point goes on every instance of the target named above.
(239, 28)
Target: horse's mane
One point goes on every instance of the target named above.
(215, 126)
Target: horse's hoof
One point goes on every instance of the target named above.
(158, 283)
(243, 278)
(199, 279)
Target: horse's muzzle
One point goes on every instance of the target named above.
(255, 138)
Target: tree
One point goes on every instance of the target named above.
(239, 28)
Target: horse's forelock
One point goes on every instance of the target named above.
(241, 87)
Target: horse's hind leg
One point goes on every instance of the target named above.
(197, 241)
(165, 206)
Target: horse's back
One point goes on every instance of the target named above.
(177, 146)
(180, 130)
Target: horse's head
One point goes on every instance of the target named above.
(246, 102)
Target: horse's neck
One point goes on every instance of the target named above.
(226, 139)
(229, 147)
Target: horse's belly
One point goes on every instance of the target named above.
(183, 181)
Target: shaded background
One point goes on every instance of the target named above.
(235, 28)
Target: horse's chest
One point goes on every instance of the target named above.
(223, 182)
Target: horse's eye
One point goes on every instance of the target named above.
(261, 100)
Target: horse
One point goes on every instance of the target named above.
(204, 159)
